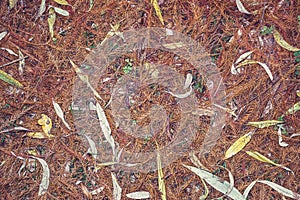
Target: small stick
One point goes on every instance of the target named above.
(14, 61)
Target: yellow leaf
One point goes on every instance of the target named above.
(46, 124)
(262, 158)
(265, 66)
(264, 124)
(32, 152)
(51, 21)
(298, 93)
(62, 2)
(157, 10)
(238, 145)
(12, 3)
(8, 79)
(39, 135)
(295, 108)
(279, 39)
(161, 182)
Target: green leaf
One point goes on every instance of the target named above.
(8, 79)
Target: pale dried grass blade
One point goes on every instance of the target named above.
(241, 7)
(60, 114)
(117, 190)
(138, 195)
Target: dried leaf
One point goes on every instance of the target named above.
(217, 183)
(46, 124)
(61, 11)
(45, 179)
(51, 21)
(85, 79)
(161, 182)
(174, 45)
(295, 135)
(62, 2)
(241, 7)
(280, 141)
(279, 39)
(138, 195)
(206, 191)
(38, 135)
(243, 57)
(3, 34)
(97, 191)
(295, 108)
(9, 51)
(117, 192)
(282, 190)
(18, 128)
(92, 149)
(21, 62)
(182, 96)
(91, 5)
(264, 124)
(188, 81)
(42, 8)
(298, 93)
(265, 66)
(238, 145)
(105, 127)
(157, 11)
(12, 3)
(196, 161)
(262, 158)
(86, 191)
(8, 79)
(60, 114)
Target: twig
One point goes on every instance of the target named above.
(14, 61)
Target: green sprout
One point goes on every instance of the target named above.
(128, 67)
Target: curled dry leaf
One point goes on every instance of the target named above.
(138, 195)
(295, 108)
(105, 127)
(279, 39)
(62, 2)
(217, 183)
(61, 11)
(42, 8)
(265, 66)
(241, 7)
(51, 21)
(238, 145)
(45, 178)
(265, 124)
(182, 96)
(262, 158)
(46, 124)
(11, 52)
(282, 190)
(117, 190)
(188, 80)
(157, 11)
(241, 58)
(12, 3)
(3, 34)
(92, 149)
(280, 140)
(60, 113)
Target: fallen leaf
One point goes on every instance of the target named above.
(39, 135)
(92, 149)
(3, 34)
(161, 182)
(241, 7)
(262, 158)
(157, 11)
(9, 51)
(105, 127)
(138, 195)
(282, 190)
(62, 2)
(21, 63)
(45, 178)
(46, 124)
(280, 141)
(86, 192)
(295, 108)
(18, 128)
(10, 80)
(51, 21)
(188, 80)
(243, 57)
(91, 5)
(97, 191)
(295, 135)
(60, 114)
(217, 183)
(61, 11)
(265, 124)
(174, 45)
(265, 66)
(238, 145)
(298, 93)
(12, 3)
(85, 79)
(182, 96)
(206, 191)
(279, 39)
(41, 9)
(117, 190)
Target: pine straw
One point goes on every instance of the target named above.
(48, 75)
